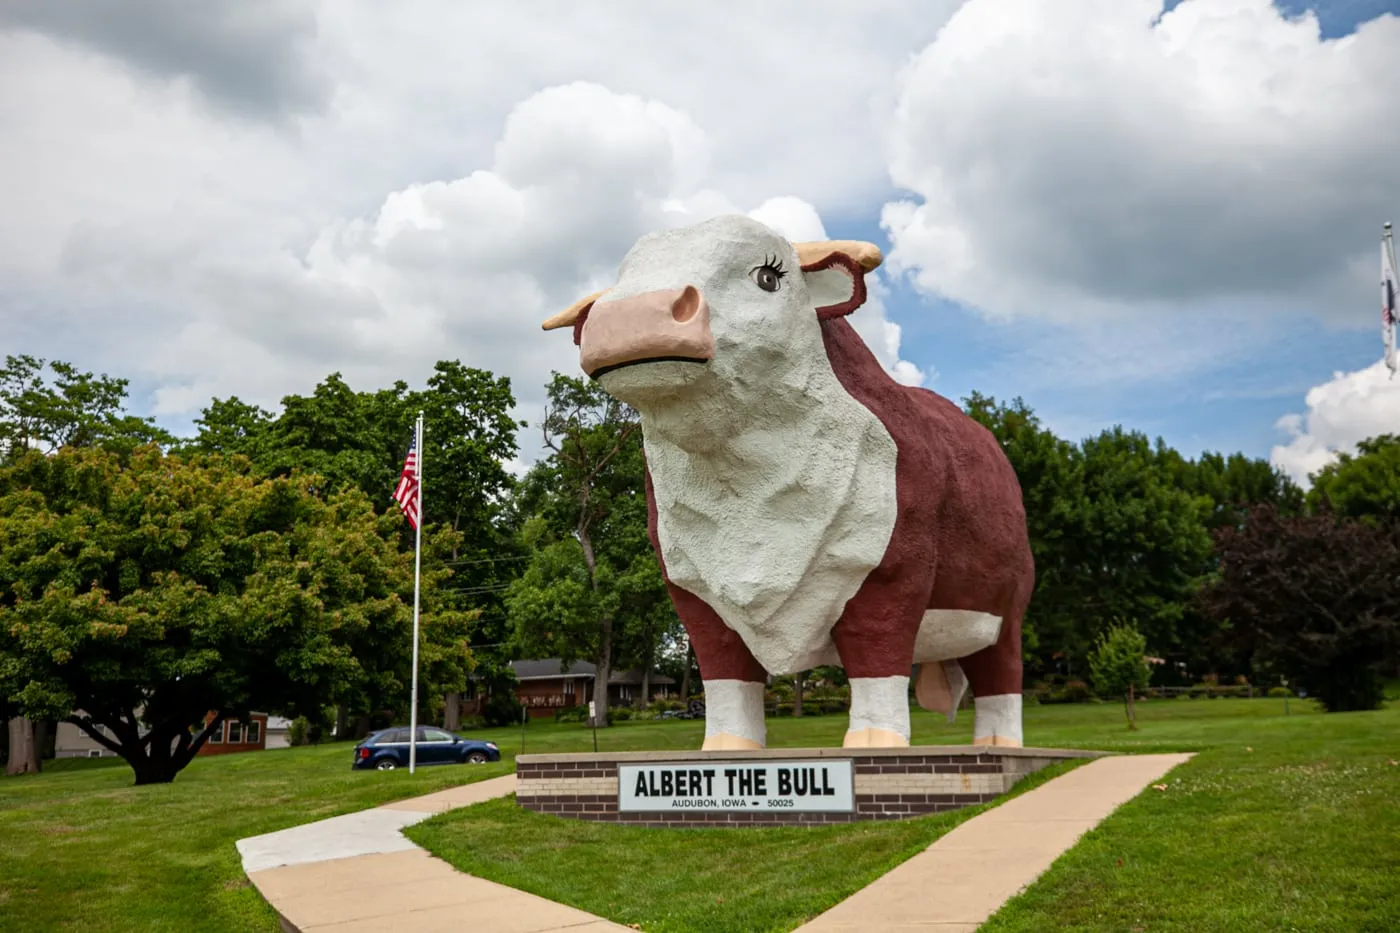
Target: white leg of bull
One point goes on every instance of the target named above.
(879, 712)
(997, 720)
(733, 715)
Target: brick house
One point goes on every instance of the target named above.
(546, 685)
(235, 735)
(259, 732)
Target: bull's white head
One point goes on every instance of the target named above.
(716, 314)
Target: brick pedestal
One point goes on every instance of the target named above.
(890, 783)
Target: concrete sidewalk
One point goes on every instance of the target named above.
(962, 879)
(358, 872)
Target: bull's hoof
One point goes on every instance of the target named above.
(874, 738)
(1002, 741)
(724, 742)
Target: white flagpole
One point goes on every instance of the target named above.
(417, 577)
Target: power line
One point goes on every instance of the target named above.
(484, 560)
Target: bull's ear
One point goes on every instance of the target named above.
(835, 273)
(836, 283)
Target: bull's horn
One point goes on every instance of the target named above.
(569, 315)
(867, 255)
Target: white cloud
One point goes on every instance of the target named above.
(425, 202)
(1350, 408)
(1079, 157)
(464, 268)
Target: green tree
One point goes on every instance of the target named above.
(140, 595)
(1143, 549)
(359, 439)
(66, 408)
(592, 583)
(70, 409)
(1321, 596)
(1118, 666)
(1051, 473)
(1113, 532)
(1362, 485)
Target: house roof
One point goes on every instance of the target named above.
(553, 669)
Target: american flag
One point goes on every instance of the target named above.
(1388, 309)
(407, 494)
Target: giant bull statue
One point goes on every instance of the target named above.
(806, 508)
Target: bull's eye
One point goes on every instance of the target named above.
(768, 276)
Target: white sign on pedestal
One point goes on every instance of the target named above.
(757, 786)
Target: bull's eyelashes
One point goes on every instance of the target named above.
(770, 275)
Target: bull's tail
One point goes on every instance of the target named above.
(940, 687)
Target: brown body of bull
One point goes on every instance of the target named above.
(959, 541)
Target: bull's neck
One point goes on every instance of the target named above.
(745, 423)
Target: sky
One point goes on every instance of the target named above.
(1165, 217)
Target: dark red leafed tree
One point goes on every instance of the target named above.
(1320, 597)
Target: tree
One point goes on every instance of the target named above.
(591, 577)
(1113, 533)
(148, 598)
(1362, 485)
(359, 439)
(1320, 595)
(1118, 666)
(73, 409)
(1051, 474)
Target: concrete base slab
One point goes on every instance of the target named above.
(965, 877)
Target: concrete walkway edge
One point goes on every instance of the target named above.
(957, 883)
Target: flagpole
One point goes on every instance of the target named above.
(417, 578)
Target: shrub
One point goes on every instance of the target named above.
(1076, 691)
(620, 714)
(502, 709)
(571, 714)
(297, 731)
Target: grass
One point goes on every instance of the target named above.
(671, 880)
(1281, 823)
(1292, 825)
(1302, 833)
(83, 849)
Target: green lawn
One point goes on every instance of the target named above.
(716, 880)
(1281, 823)
(1301, 833)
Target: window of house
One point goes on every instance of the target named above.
(569, 688)
(216, 737)
(253, 733)
(235, 733)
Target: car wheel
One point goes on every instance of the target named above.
(476, 757)
(386, 764)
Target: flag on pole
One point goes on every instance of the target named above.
(1390, 287)
(407, 494)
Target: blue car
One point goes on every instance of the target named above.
(387, 749)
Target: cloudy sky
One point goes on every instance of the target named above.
(1164, 218)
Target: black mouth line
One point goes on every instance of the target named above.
(598, 374)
